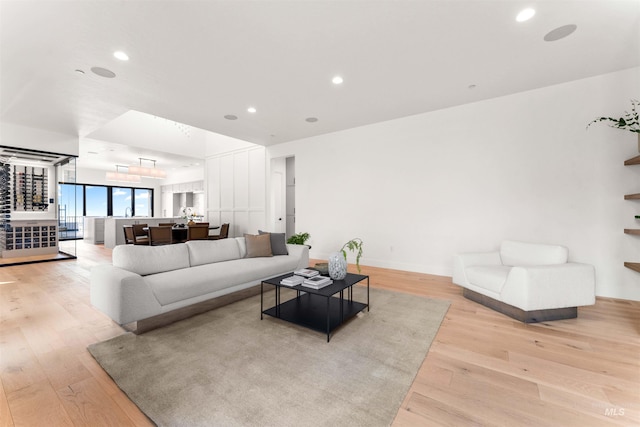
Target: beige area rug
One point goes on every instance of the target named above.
(229, 368)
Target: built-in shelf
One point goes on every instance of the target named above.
(632, 161)
(635, 266)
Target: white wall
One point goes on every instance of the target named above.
(190, 174)
(235, 188)
(421, 188)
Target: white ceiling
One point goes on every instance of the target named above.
(194, 62)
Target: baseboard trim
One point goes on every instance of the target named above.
(533, 316)
(150, 323)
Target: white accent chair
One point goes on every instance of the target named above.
(527, 281)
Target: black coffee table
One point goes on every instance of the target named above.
(319, 309)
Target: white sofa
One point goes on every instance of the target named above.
(160, 284)
(529, 282)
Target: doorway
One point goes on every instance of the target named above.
(283, 201)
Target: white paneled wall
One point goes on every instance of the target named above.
(235, 187)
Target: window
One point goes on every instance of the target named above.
(142, 202)
(121, 201)
(96, 201)
(102, 200)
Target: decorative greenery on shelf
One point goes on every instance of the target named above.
(298, 239)
(628, 122)
(188, 214)
(353, 245)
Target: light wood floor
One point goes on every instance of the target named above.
(482, 369)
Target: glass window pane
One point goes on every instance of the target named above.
(143, 202)
(79, 200)
(121, 201)
(70, 211)
(96, 200)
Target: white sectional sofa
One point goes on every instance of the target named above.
(154, 285)
(529, 282)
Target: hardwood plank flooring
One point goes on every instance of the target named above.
(483, 368)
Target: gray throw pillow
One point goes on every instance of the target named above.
(258, 246)
(278, 243)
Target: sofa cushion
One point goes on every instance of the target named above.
(242, 245)
(145, 260)
(278, 243)
(209, 251)
(258, 246)
(528, 254)
(491, 277)
(175, 286)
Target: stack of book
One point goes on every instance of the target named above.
(292, 281)
(317, 282)
(306, 272)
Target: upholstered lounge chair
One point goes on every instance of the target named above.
(529, 282)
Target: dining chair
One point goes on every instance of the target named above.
(224, 233)
(160, 235)
(128, 234)
(166, 224)
(140, 237)
(198, 232)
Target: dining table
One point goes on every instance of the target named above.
(179, 233)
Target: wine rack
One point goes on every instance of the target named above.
(30, 188)
(5, 203)
(35, 236)
(20, 237)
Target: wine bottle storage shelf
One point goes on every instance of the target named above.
(25, 238)
(24, 188)
(5, 203)
(30, 237)
(30, 188)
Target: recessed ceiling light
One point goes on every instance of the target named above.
(103, 72)
(311, 119)
(121, 55)
(472, 86)
(560, 33)
(79, 71)
(337, 80)
(251, 109)
(231, 117)
(525, 15)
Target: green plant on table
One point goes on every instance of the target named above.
(298, 239)
(629, 121)
(354, 245)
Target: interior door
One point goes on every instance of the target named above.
(277, 200)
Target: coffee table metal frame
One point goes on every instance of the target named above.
(317, 309)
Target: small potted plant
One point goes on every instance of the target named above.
(338, 260)
(299, 239)
(629, 121)
(188, 215)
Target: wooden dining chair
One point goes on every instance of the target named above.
(128, 234)
(198, 232)
(166, 224)
(224, 233)
(160, 236)
(140, 237)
